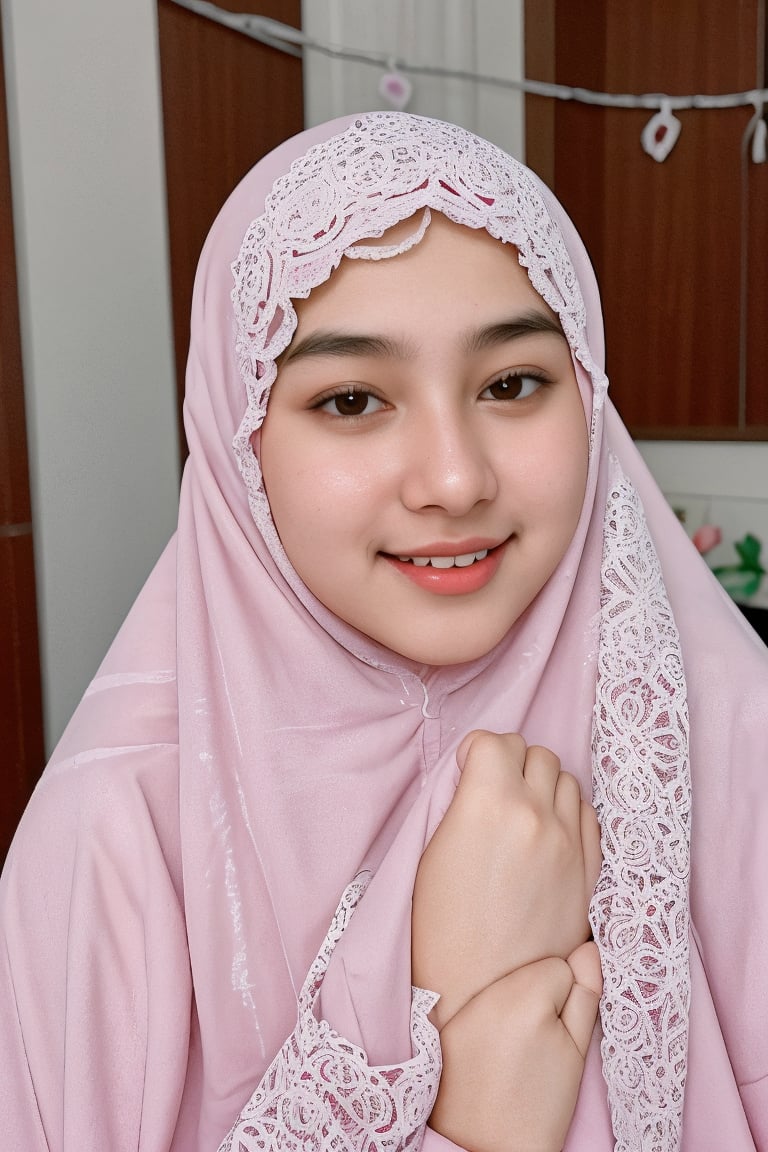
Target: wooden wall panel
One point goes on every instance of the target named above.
(227, 101)
(21, 720)
(757, 311)
(666, 237)
(539, 55)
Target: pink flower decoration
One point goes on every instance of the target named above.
(396, 89)
(707, 538)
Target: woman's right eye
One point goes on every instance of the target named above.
(350, 402)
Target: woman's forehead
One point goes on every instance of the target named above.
(461, 266)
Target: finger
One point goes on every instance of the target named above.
(579, 1012)
(541, 772)
(556, 977)
(543, 987)
(491, 758)
(568, 803)
(464, 747)
(584, 963)
(590, 845)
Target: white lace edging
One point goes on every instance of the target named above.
(319, 1094)
(642, 792)
(385, 167)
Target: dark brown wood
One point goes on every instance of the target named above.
(757, 311)
(539, 24)
(227, 101)
(757, 321)
(21, 728)
(21, 719)
(665, 238)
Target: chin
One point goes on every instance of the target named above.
(439, 652)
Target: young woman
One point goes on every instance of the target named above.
(419, 568)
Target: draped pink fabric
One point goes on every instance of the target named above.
(242, 755)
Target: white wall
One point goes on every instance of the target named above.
(89, 208)
(738, 471)
(482, 36)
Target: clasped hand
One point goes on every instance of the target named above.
(500, 930)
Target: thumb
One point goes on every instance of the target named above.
(579, 1012)
(463, 749)
(499, 748)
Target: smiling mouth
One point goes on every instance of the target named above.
(463, 561)
(451, 575)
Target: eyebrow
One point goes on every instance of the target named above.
(330, 343)
(324, 343)
(526, 324)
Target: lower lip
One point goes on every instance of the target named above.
(452, 581)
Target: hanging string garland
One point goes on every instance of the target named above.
(395, 88)
(658, 137)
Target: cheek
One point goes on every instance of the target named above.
(570, 456)
(557, 476)
(318, 493)
(570, 445)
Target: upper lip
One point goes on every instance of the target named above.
(452, 548)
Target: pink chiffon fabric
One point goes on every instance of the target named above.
(242, 756)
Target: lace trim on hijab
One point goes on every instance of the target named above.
(642, 792)
(387, 251)
(320, 1093)
(382, 169)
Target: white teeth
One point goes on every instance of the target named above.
(446, 561)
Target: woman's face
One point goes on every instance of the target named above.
(425, 445)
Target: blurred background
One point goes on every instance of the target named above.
(124, 126)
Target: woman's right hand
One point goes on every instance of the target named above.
(513, 1057)
(507, 877)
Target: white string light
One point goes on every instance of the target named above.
(659, 134)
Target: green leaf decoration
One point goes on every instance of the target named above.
(738, 583)
(742, 580)
(749, 550)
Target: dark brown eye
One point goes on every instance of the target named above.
(352, 403)
(513, 387)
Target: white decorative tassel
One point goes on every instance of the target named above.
(661, 132)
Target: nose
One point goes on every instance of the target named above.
(447, 466)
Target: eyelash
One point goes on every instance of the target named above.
(540, 378)
(358, 391)
(342, 393)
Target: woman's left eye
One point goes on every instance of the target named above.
(514, 386)
(351, 402)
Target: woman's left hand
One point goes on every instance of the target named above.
(513, 1057)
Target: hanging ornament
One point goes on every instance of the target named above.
(759, 132)
(661, 132)
(395, 88)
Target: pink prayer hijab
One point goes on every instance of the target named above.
(245, 760)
